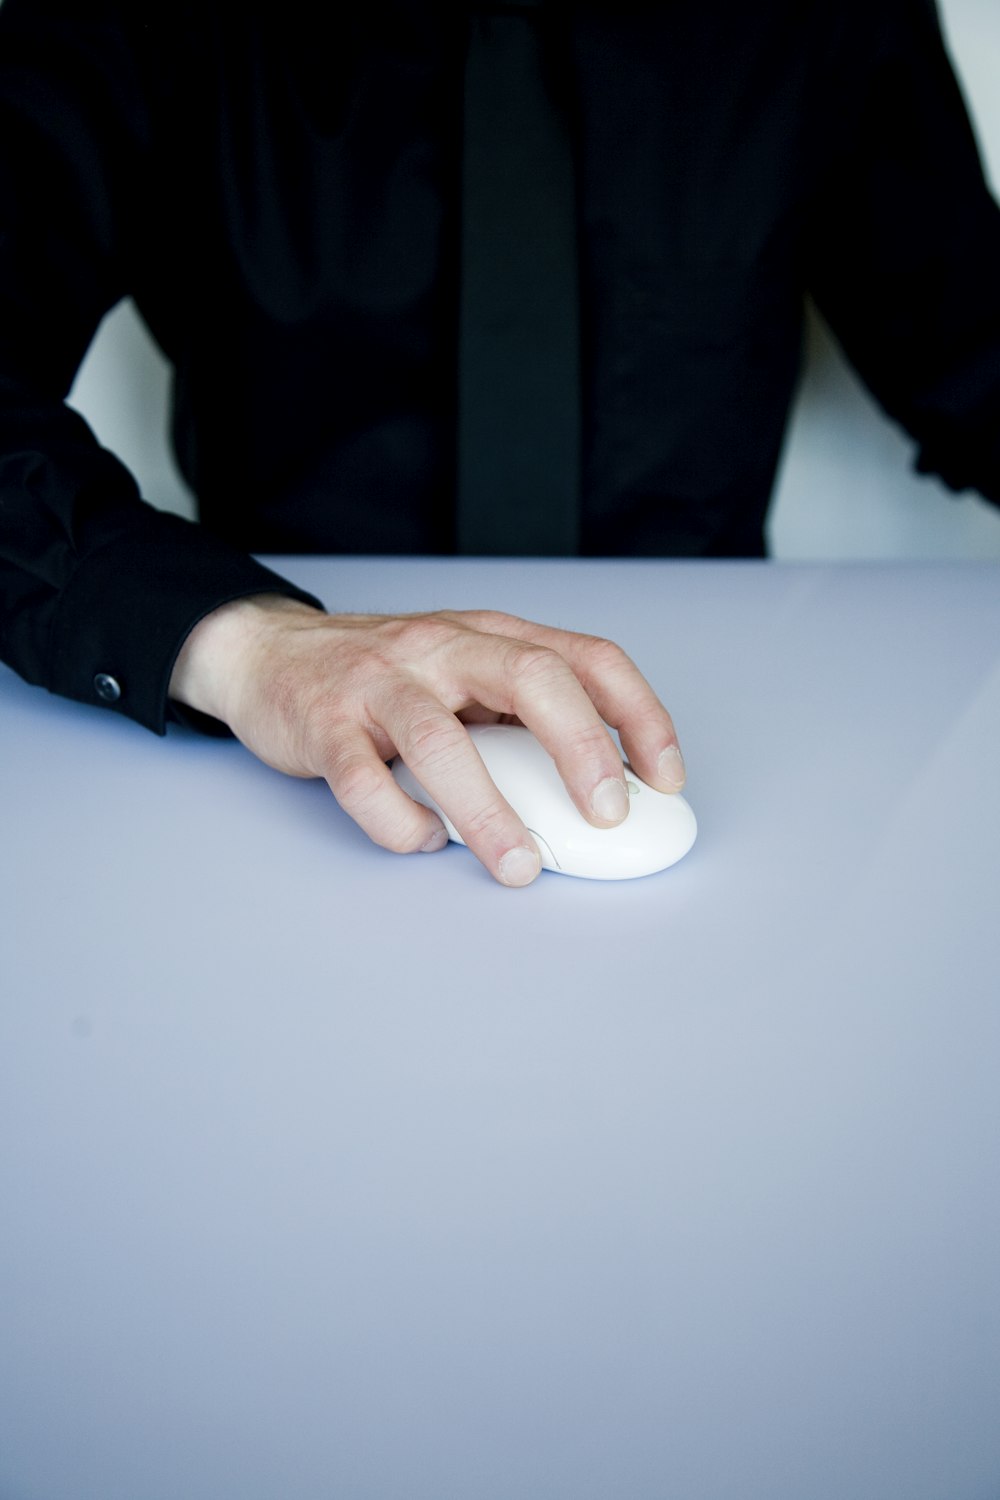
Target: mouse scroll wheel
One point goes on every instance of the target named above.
(633, 790)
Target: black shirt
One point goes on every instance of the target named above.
(277, 188)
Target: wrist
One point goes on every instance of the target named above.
(211, 662)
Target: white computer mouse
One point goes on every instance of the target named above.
(659, 830)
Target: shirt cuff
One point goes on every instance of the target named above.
(130, 605)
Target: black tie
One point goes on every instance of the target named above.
(519, 342)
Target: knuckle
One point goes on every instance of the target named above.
(486, 826)
(432, 740)
(588, 742)
(494, 621)
(535, 667)
(418, 635)
(605, 655)
(403, 836)
(356, 784)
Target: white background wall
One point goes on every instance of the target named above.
(846, 487)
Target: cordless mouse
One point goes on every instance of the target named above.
(659, 830)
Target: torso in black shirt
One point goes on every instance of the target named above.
(278, 192)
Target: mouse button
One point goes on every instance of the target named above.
(549, 861)
(517, 762)
(674, 815)
(647, 841)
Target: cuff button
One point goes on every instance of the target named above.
(107, 688)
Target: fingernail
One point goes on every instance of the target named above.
(609, 800)
(670, 767)
(520, 866)
(437, 841)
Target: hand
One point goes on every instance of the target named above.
(336, 696)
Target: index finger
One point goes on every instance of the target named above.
(435, 747)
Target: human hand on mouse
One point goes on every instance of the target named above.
(337, 696)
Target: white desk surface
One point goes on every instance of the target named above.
(328, 1173)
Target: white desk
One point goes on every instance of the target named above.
(327, 1173)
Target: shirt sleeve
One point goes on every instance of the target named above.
(95, 584)
(905, 247)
